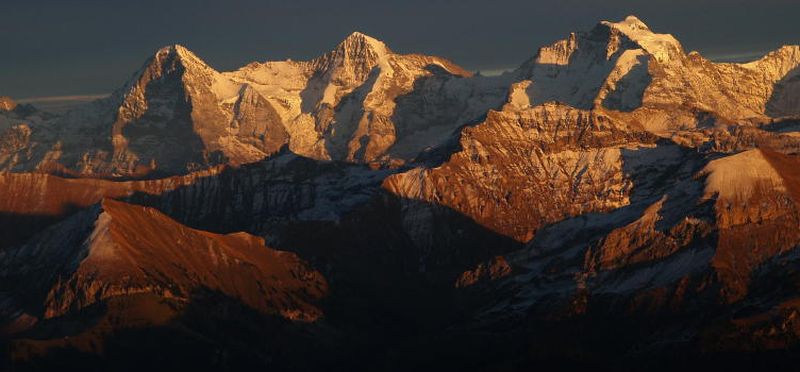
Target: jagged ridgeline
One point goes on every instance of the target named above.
(362, 102)
(615, 199)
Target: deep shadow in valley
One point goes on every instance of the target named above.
(386, 288)
(16, 229)
(391, 264)
(212, 332)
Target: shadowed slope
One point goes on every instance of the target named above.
(116, 249)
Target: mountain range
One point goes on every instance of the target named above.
(615, 202)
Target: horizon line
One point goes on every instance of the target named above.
(65, 98)
(742, 57)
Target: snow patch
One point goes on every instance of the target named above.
(737, 176)
(661, 46)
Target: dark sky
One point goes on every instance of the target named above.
(60, 47)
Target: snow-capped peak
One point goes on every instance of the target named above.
(171, 60)
(632, 22)
(353, 58)
(355, 49)
(664, 47)
(182, 54)
(358, 41)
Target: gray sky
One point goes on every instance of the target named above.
(85, 47)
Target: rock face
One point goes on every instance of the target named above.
(357, 103)
(125, 268)
(701, 247)
(176, 115)
(757, 213)
(362, 102)
(225, 199)
(627, 67)
(120, 269)
(614, 201)
(116, 249)
(560, 141)
(525, 166)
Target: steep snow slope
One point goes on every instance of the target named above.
(625, 66)
(362, 102)
(177, 114)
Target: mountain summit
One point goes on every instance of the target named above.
(359, 45)
(663, 47)
(352, 60)
(361, 102)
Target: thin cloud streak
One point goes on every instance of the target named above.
(54, 99)
(738, 57)
(61, 104)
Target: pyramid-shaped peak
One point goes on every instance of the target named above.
(173, 58)
(169, 64)
(359, 37)
(358, 34)
(178, 51)
(358, 42)
(357, 54)
(174, 49)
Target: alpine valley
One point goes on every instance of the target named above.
(615, 202)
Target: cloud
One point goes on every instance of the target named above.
(62, 99)
(737, 57)
(495, 71)
(60, 104)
